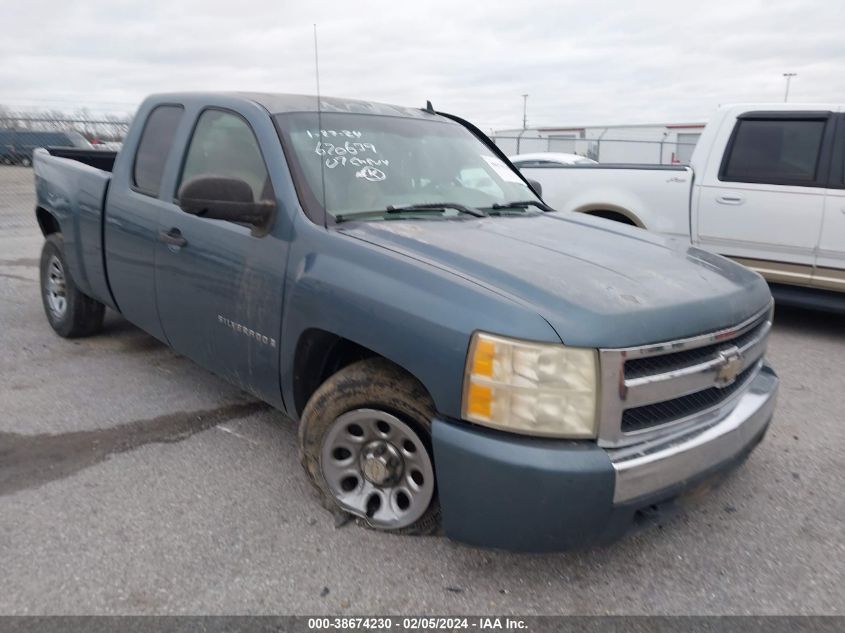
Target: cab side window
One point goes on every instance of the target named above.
(777, 152)
(224, 145)
(154, 148)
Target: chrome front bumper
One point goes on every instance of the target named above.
(646, 468)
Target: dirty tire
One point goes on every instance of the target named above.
(82, 315)
(368, 384)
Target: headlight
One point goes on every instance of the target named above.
(531, 388)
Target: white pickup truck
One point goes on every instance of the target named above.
(765, 186)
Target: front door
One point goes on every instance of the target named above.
(219, 285)
(765, 206)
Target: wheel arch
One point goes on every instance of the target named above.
(612, 212)
(47, 222)
(319, 354)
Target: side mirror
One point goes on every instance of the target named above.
(536, 186)
(220, 198)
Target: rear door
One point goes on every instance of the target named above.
(830, 259)
(220, 292)
(764, 206)
(132, 210)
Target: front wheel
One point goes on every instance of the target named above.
(69, 312)
(365, 442)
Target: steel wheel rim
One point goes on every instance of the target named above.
(366, 482)
(56, 288)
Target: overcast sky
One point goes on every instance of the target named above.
(583, 62)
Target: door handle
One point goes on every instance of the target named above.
(733, 198)
(173, 237)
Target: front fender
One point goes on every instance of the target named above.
(412, 313)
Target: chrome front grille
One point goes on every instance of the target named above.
(649, 365)
(647, 390)
(660, 413)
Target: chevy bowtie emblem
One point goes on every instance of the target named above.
(729, 364)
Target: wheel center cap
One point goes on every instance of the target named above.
(381, 463)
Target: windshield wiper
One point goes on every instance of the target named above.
(522, 204)
(437, 206)
(429, 207)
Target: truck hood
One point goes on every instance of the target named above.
(598, 283)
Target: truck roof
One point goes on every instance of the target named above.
(279, 103)
(793, 106)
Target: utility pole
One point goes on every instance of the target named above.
(524, 111)
(789, 77)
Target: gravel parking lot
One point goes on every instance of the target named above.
(132, 481)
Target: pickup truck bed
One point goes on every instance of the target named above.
(649, 196)
(99, 159)
(73, 184)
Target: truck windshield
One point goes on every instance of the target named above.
(362, 163)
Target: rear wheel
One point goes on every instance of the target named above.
(365, 444)
(69, 312)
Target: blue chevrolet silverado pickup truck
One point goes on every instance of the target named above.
(458, 355)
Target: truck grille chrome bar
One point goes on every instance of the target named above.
(649, 390)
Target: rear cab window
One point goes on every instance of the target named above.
(776, 150)
(154, 147)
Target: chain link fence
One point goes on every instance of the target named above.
(669, 151)
(23, 132)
